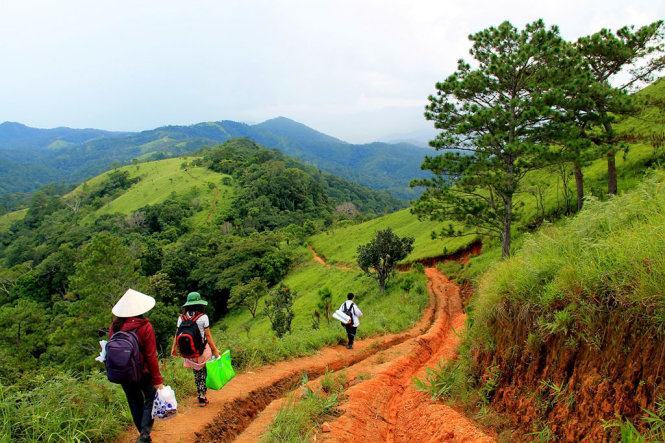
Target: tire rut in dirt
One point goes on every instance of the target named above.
(235, 416)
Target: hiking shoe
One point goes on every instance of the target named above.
(203, 402)
(349, 346)
(144, 438)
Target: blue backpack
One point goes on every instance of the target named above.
(123, 358)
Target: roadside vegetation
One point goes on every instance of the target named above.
(253, 344)
(306, 409)
(615, 279)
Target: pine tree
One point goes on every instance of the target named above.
(491, 117)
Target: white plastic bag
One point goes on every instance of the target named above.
(102, 355)
(341, 316)
(165, 404)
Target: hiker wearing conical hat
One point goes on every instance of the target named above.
(131, 358)
(194, 342)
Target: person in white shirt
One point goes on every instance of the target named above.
(352, 310)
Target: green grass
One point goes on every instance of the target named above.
(159, 180)
(299, 418)
(71, 408)
(6, 220)
(617, 247)
(339, 245)
(650, 120)
(253, 343)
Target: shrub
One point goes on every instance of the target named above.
(279, 309)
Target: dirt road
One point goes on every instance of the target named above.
(388, 408)
(382, 404)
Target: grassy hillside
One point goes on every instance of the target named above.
(339, 245)
(160, 179)
(558, 338)
(650, 121)
(6, 220)
(253, 343)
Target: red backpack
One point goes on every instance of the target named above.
(188, 337)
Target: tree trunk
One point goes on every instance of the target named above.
(507, 221)
(611, 173)
(579, 184)
(611, 160)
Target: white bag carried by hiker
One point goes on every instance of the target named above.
(165, 404)
(341, 316)
(102, 355)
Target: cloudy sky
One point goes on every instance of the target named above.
(356, 69)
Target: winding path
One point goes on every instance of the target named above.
(382, 403)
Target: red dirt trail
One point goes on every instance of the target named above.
(234, 407)
(389, 408)
(382, 404)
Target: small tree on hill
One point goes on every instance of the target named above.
(279, 309)
(379, 257)
(325, 302)
(248, 295)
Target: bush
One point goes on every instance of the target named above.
(279, 309)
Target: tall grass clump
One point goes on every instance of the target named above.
(299, 418)
(65, 407)
(567, 278)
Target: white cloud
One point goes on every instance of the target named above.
(356, 69)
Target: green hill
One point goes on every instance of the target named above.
(339, 245)
(158, 180)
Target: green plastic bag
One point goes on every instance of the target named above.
(219, 371)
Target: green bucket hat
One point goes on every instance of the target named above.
(194, 298)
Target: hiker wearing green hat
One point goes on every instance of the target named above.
(194, 342)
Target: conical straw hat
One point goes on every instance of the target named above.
(133, 303)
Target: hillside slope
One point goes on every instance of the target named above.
(157, 181)
(568, 345)
(210, 192)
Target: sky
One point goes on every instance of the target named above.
(360, 70)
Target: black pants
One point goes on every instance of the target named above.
(351, 333)
(140, 397)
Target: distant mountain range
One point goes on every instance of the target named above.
(421, 137)
(31, 157)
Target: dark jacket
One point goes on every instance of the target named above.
(147, 346)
